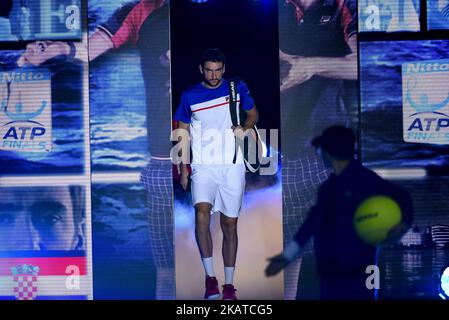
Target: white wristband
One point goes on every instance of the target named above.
(292, 251)
(81, 52)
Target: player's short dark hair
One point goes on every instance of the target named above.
(212, 55)
(5, 8)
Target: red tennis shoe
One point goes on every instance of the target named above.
(212, 291)
(229, 292)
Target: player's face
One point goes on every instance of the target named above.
(37, 219)
(212, 73)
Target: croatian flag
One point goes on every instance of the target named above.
(44, 275)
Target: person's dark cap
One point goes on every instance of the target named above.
(5, 8)
(338, 141)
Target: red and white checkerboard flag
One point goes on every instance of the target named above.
(25, 281)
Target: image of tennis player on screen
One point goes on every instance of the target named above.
(318, 56)
(144, 24)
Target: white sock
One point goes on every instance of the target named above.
(208, 266)
(229, 275)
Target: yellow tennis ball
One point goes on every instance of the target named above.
(375, 217)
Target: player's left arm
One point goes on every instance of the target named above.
(252, 118)
(247, 103)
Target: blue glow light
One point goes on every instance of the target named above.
(444, 283)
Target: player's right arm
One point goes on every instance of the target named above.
(184, 169)
(183, 115)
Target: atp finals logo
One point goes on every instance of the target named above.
(425, 101)
(25, 110)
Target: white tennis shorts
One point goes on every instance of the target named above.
(222, 186)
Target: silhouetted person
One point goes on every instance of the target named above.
(341, 256)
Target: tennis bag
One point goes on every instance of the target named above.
(252, 146)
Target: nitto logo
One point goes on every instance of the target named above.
(422, 105)
(25, 110)
(6, 106)
(426, 101)
(427, 67)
